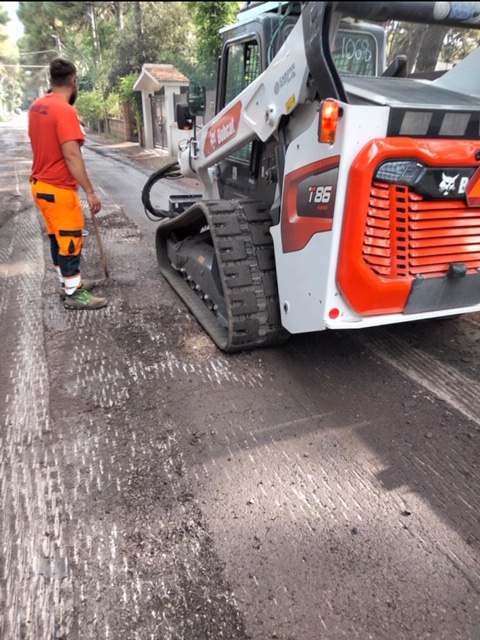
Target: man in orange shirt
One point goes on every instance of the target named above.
(58, 170)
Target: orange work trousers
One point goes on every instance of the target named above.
(63, 216)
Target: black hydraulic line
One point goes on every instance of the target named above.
(170, 171)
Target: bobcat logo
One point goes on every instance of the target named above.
(447, 185)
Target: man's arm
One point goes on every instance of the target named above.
(76, 165)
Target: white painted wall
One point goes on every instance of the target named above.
(147, 120)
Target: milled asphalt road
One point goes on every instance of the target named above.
(152, 487)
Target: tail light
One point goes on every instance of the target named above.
(330, 112)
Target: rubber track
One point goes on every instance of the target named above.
(244, 250)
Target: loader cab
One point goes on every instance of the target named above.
(249, 47)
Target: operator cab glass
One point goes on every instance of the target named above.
(359, 49)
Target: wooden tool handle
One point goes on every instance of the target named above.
(100, 246)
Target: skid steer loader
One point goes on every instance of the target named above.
(338, 192)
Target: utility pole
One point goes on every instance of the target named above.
(58, 44)
(93, 20)
(98, 54)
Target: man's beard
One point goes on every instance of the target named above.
(73, 97)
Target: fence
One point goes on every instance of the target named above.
(124, 128)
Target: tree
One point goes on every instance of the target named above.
(110, 40)
(4, 20)
(209, 18)
(79, 31)
(155, 33)
(430, 48)
(426, 45)
(10, 93)
(128, 95)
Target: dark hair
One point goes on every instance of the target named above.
(62, 72)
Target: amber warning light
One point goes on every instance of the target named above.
(329, 121)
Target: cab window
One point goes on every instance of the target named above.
(355, 52)
(243, 66)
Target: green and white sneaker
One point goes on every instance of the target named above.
(86, 284)
(83, 299)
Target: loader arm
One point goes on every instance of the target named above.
(254, 113)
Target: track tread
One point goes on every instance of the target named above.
(245, 256)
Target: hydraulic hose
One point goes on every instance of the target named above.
(171, 172)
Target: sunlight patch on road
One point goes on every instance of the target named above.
(20, 267)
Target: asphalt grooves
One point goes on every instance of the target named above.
(33, 562)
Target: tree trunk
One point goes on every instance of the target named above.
(117, 9)
(430, 49)
(138, 19)
(411, 47)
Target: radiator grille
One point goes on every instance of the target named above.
(406, 236)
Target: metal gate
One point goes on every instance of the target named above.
(159, 124)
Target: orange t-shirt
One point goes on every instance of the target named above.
(51, 123)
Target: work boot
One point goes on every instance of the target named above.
(86, 284)
(83, 299)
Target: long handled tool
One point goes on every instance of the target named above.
(100, 246)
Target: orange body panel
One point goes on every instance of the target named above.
(224, 130)
(390, 235)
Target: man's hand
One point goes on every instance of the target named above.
(94, 203)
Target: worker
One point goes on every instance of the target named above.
(58, 169)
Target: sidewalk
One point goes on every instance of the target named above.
(149, 159)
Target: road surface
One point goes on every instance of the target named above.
(154, 488)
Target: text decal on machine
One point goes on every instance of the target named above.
(224, 130)
(316, 194)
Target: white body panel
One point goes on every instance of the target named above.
(307, 278)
